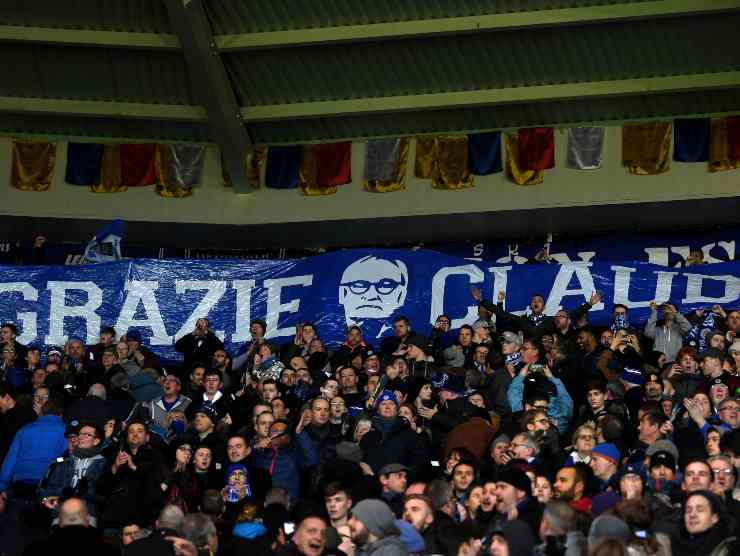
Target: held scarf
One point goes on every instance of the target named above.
(620, 323)
(513, 359)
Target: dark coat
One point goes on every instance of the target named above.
(73, 541)
(132, 496)
(11, 421)
(392, 442)
(198, 349)
(153, 544)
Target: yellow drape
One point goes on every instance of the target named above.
(399, 180)
(110, 172)
(452, 169)
(646, 148)
(719, 161)
(425, 162)
(253, 161)
(33, 165)
(513, 172)
(308, 173)
(163, 187)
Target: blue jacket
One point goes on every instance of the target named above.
(61, 475)
(287, 463)
(34, 447)
(561, 406)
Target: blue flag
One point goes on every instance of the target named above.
(105, 246)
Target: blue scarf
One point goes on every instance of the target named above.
(620, 323)
(699, 333)
(513, 358)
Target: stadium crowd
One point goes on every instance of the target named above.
(513, 436)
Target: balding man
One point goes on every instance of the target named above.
(168, 524)
(74, 535)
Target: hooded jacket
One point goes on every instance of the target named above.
(669, 337)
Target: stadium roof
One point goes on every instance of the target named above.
(240, 73)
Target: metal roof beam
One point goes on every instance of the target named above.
(212, 86)
(434, 101)
(95, 108)
(470, 24)
(86, 37)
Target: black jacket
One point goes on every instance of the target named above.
(10, 422)
(198, 349)
(132, 496)
(153, 544)
(392, 442)
(73, 541)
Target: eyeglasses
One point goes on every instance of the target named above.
(383, 287)
(727, 472)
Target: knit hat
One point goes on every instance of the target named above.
(662, 445)
(516, 478)
(376, 516)
(386, 396)
(410, 537)
(663, 458)
(604, 502)
(209, 411)
(54, 350)
(607, 451)
(609, 527)
(480, 323)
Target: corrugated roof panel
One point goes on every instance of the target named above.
(231, 17)
(71, 126)
(109, 15)
(559, 113)
(94, 74)
(512, 58)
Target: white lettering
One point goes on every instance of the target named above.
(622, 275)
(694, 283)
(560, 286)
(275, 307)
(27, 320)
(564, 258)
(85, 309)
(215, 290)
(142, 291)
(243, 310)
(438, 291)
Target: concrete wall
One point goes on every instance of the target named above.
(214, 204)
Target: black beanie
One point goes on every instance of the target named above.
(516, 478)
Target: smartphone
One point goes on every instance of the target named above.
(289, 527)
(434, 463)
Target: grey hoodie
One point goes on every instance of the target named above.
(669, 337)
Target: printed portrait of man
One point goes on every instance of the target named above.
(371, 290)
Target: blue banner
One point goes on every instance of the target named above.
(665, 249)
(163, 299)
